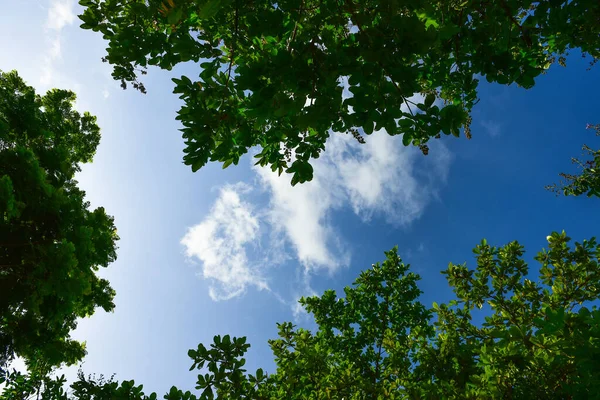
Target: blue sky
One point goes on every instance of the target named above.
(230, 251)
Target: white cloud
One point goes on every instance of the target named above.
(105, 93)
(52, 55)
(298, 310)
(219, 242)
(492, 128)
(60, 14)
(54, 49)
(380, 178)
(300, 213)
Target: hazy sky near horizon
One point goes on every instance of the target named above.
(230, 251)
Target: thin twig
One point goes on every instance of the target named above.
(293, 37)
(524, 34)
(232, 55)
(383, 328)
(407, 105)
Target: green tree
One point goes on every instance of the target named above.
(588, 180)
(271, 72)
(51, 243)
(539, 338)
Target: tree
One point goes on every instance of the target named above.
(539, 338)
(272, 72)
(42, 386)
(51, 243)
(588, 181)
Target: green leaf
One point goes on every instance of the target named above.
(196, 165)
(428, 20)
(211, 7)
(429, 99)
(175, 16)
(227, 163)
(498, 334)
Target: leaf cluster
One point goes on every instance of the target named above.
(272, 74)
(588, 180)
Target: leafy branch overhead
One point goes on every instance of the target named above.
(539, 339)
(271, 74)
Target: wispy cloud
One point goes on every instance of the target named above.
(301, 213)
(378, 179)
(491, 127)
(381, 178)
(219, 242)
(60, 14)
(304, 290)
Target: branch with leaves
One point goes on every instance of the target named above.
(588, 180)
(278, 65)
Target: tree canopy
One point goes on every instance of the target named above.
(539, 338)
(51, 243)
(272, 73)
(283, 76)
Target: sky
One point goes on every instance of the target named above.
(231, 251)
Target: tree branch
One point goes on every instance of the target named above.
(509, 14)
(383, 329)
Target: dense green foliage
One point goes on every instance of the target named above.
(51, 243)
(271, 72)
(539, 338)
(283, 76)
(588, 180)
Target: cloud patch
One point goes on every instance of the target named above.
(219, 242)
(60, 14)
(301, 213)
(491, 127)
(381, 178)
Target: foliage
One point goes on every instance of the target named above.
(272, 71)
(51, 243)
(37, 384)
(588, 181)
(539, 340)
